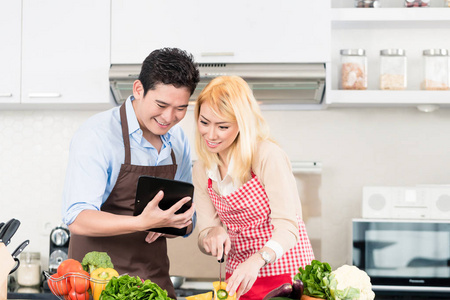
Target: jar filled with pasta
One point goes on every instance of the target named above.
(353, 69)
(393, 69)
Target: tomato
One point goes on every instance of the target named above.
(59, 286)
(73, 295)
(80, 281)
(69, 265)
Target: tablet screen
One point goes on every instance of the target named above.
(174, 191)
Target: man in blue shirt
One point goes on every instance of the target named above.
(108, 154)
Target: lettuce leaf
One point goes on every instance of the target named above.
(316, 279)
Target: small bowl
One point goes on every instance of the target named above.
(177, 281)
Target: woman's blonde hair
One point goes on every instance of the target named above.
(232, 100)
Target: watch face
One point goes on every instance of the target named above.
(265, 256)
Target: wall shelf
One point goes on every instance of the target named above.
(390, 14)
(379, 28)
(390, 97)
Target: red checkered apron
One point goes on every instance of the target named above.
(246, 213)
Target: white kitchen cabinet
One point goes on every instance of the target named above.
(230, 31)
(65, 51)
(412, 29)
(10, 33)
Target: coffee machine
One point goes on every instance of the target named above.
(59, 247)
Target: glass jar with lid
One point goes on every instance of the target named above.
(417, 3)
(435, 69)
(353, 69)
(367, 3)
(29, 271)
(393, 67)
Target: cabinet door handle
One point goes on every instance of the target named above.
(44, 95)
(217, 53)
(5, 94)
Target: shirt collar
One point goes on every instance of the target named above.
(214, 172)
(133, 125)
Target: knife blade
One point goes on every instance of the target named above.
(8, 230)
(220, 269)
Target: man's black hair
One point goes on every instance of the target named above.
(169, 66)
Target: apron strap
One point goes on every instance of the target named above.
(125, 134)
(172, 154)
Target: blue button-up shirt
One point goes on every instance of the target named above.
(97, 153)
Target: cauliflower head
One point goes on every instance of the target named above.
(349, 283)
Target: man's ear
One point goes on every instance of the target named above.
(138, 89)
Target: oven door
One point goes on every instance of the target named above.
(403, 255)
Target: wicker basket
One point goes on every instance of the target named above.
(59, 286)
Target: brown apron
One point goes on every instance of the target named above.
(130, 253)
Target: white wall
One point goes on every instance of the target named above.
(389, 146)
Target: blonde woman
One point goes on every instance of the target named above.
(245, 193)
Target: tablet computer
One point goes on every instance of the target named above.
(174, 191)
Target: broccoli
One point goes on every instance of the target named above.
(94, 260)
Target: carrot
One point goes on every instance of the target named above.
(305, 297)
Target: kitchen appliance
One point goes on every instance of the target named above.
(59, 247)
(403, 255)
(272, 83)
(407, 202)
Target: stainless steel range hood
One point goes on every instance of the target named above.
(272, 83)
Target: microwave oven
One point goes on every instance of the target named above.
(403, 255)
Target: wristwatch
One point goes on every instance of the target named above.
(266, 257)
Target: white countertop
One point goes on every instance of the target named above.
(200, 285)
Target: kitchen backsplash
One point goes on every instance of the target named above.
(357, 147)
(34, 149)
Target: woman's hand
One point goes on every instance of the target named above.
(244, 276)
(217, 242)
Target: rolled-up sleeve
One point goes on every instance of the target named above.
(86, 176)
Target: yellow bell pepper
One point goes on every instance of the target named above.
(221, 286)
(205, 296)
(99, 279)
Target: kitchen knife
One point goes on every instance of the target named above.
(4, 227)
(20, 248)
(221, 293)
(220, 268)
(16, 253)
(8, 230)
